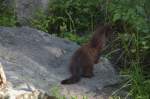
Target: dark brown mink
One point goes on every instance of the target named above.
(84, 58)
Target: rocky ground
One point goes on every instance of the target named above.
(34, 60)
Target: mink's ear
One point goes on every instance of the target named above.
(103, 28)
(108, 28)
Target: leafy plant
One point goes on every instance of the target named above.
(74, 16)
(132, 42)
(7, 16)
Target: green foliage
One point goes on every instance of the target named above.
(7, 17)
(130, 11)
(133, 42)
(41, 22)
(70, 16)
(77, 15)
(7, 20)
(69, 19)
(74, 37)
(55, 91)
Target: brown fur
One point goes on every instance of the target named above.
(86, 56)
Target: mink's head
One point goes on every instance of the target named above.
(101, 33)
(104, 29)
(108, 28)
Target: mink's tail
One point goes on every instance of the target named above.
(76, 76)
(71, 80)
(75, 70)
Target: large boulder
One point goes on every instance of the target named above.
(33, 58)
(8, 92)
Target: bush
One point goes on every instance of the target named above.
(7, 16)
(77, 16)
(131, 17)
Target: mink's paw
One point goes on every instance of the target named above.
(88, 75)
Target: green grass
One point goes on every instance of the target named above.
(138, 84)
(55, 91)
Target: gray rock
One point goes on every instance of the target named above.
(27, 9)
(8, 92)
(39, 60)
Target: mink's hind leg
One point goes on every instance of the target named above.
(88, 72)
